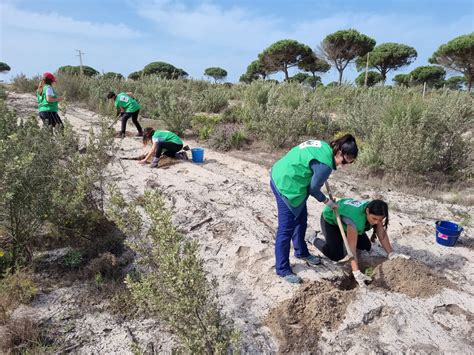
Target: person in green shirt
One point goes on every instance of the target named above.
(48, 101)
(163, 142)
(127, 106)
(357, 217)
(297, 175)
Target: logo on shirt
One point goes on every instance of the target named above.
(355, 203)
(310, 143)
(124, 98)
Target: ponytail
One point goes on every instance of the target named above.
(378, 208)
(346, 145)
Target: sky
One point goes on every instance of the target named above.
(124, 35)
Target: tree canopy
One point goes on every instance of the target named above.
(343, 47)
(402, 80)
(457, 55)
(386, 57)
(76, 70)
(4, 67)
(282, 55)
(456, 82)
(164, 70)
(216, 73)
(313, 65)
(112, 75)
(430, 74)
(299, 77)
(373, 78)
(255, 71)
(135, 75)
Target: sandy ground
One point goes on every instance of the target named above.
(231, 196)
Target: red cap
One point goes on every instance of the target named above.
(49, 76)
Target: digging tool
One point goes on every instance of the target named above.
(349, 255)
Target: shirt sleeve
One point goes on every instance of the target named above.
(348, 222)
(321, 173)
(50, 91)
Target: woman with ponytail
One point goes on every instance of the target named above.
(357, 217)
(299, 174)
(48, 101)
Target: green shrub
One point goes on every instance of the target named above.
(174, 287)
(213, 99)
(22, 83)
(204, 125)
(228, 136)
(73, 259)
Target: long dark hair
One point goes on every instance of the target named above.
(147, 135)
(378, 208)
(346, 144)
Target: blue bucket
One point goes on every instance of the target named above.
(447, 233)
(198, 154)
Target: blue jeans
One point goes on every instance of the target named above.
(290, 228)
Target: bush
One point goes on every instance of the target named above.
(22, 83)
(204, 125)
(213, 99)
(174, 286)
(228, 136)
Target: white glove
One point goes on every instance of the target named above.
(331, 204)
(394, 255)
(361, 278)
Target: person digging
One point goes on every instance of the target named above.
(356, 217)
(127, 107)
(163, 143)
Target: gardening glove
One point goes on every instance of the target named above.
(331, 204)
(394, 255)
(361, 278)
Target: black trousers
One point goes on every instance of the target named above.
(334, 247)
(134, 115)
(170, 149)
(50, 118)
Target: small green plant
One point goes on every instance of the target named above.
(369, 271)
(98, 281)
(73, 259)
(204, 125)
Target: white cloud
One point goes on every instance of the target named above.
(15, 18)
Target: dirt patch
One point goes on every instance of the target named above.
(297, 322)
(410, 277)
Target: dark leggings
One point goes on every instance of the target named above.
(334, 247)
(170, 149)
(134, 115)
(50, 118)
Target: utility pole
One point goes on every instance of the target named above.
(367, 70)
(80, 54)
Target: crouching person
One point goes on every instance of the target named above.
(163, 142)
(357, 218)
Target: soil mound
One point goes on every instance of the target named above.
(298, 321)
(410, 277)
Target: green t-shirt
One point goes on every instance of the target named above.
(292, 173)
(128, 103)
(43, 104)
(167, 136)
(350, 208)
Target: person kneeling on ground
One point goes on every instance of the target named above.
(127, 107)
(296, 176)
(357, 217)
(164, 142)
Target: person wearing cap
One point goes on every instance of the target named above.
(297, 175)
(128, 107)
(48, 101)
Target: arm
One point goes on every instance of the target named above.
(383, 238)
(321, 173)
(53, 99)
(150, 153)
(352, 240)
